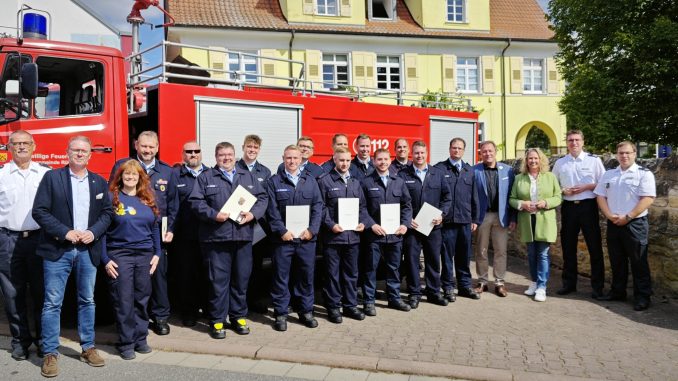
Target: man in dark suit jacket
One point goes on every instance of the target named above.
(73, 209)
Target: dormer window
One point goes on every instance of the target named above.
(456, 11)
(328, 7)
(381, 9)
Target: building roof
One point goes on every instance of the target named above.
(517, 19)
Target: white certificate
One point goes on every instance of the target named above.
(390, 217)
(425, 218)
(240, 201)
(163, 227)
(349, 210)
(297, 218)
(258, 233)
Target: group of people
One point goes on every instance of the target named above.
(70, 220)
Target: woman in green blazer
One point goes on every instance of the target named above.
(536, 193)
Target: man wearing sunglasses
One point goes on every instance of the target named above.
(191, 280)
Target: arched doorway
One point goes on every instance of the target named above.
(536, 134)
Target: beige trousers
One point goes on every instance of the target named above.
(491, 227)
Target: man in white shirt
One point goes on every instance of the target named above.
(624, 195)
(19, 266)
(578, 173)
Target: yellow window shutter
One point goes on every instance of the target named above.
(488, 74)
(268, 66)
(358, 62)
(216, 60)
(411, 75)
(449, 73)
(553, 76)
(345, 8)
(309, 7)
(516, 76)
(313, 68)
(370, 63)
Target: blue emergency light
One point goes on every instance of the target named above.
(35, 26)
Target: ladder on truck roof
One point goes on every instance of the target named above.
(188, 72)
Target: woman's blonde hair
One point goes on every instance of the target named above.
(543, 161)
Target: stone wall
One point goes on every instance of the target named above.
(663, 218)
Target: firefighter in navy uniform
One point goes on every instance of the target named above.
(306, 146)
(163, 180)
(259, 286)
(341, 246)
(461, 220)
(425, 183)
(361, 165)
(293, 251)
(191, 276)
(382, 187)
(226, 244)
(402, 151)
(624, 194)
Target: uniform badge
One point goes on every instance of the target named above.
(241, 201)
(162, 188)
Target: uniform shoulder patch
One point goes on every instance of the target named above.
(44, 165)
(593, 155)
(643, 168)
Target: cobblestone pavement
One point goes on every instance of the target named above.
(493, 338)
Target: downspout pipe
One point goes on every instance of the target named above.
(289, 56)
(503, 96)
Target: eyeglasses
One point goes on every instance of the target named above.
(190, 151)
(305, 146)
(79, 151)
(626, 153)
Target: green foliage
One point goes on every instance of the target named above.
(620, 59)
(444, 101)
(536, 138)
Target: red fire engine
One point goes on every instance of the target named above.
(56, 90)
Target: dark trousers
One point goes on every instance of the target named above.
(130, 293)
(341, 284)
(229, 265)
(432, 245)
(628, 244)
(456, 257)
(302, 254)
(582, 216)
(391, 252)
(21, 272)
(159, 303)
(192, 287)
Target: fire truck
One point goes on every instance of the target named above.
(56, 90)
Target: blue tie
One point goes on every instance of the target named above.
(384, 179)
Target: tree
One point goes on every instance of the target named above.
(620, 60)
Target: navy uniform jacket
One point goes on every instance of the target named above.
(311, 168)
(435, 190)
(397, 166)
(260, 172)
(186, 224)
(210, 193)
(394, 193)
(464, 208)
(359, 170)
(332, 187)
(164, 184)
(53, 211)
(282, 192)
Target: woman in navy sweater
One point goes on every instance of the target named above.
(131, 254)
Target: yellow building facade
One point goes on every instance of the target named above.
(496, 53)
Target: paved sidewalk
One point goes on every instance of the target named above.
(494, 338)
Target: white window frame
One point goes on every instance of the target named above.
(463, 71)
(452, 16)
(335, 73)
(249, 75)
(389, 66)
(531, 66)
(322, 7)
(389, 6)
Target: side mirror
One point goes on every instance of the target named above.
(29, 80)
